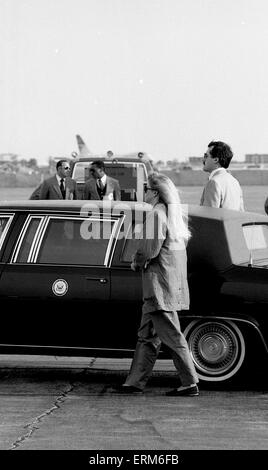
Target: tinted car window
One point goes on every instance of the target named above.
(5, 221)
(256, 236)
(24, 253)
(125, 173)
(132, 239)
(76, 241)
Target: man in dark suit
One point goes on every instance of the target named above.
(60, 186)
(101, 186)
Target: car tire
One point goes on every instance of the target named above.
(217, 348)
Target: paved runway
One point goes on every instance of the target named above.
(66, 403)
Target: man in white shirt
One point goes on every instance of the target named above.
(222, 189)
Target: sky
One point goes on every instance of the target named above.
(160, 76)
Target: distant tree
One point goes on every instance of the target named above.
(32, 163)
(173, 163)
(23, 162)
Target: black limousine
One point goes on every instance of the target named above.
(66, 286)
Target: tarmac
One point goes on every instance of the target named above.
(60, 403)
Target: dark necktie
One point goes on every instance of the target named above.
(100, 188)
(62, 188)
(100, 185)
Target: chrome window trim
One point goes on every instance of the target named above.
(40, 238)
(10, 217)
(36, 239)
(112, 239)
(22, 235)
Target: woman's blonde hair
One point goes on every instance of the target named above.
(169, 196)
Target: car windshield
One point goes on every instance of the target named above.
(124, 172)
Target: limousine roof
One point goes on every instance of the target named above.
(194, 211)
(72, 206)
(219, 238)
(224, 214)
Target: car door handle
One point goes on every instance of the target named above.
(102, 280)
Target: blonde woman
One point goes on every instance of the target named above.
(161, 256)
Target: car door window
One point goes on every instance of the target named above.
(134, 234)
(76, 242)
(24, 249)
(256, 238)
(5, 221)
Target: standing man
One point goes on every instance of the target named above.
(101, 186)
(222, 189)
(60, 186)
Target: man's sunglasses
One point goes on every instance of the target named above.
(66, 168)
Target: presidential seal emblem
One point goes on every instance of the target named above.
(60, 287)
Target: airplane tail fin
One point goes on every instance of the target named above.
(84, 151)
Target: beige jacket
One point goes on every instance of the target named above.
(222, 190)
(164, 265)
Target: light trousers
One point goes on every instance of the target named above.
(157, 327)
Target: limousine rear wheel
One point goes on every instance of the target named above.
(217, 349)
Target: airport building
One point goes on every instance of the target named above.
(256, 158)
